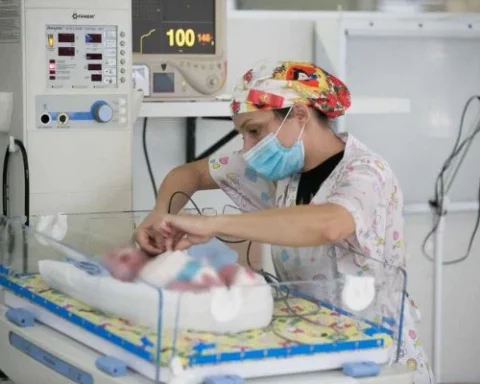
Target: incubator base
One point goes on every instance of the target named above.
(249, 369)
(22, 369)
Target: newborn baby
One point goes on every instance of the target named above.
(202, 267)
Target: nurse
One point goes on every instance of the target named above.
(301, 186)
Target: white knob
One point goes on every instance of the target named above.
(102, 112)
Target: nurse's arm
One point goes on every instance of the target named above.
(299, 226)
(188, 178)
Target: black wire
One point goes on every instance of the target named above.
(147, 158)
(26, 207)
(5, 182)
(438, 203)
(282, 292)
(199, 212)
(267, 276)
(26, 180)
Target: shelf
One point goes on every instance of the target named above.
(185, 109)
(360, 105)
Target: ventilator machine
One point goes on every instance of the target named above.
(67, 110)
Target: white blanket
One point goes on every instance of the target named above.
(219, 310)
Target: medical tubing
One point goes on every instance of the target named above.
(199, 212)
(5, 182)
(440, 189)
(457, 148)
(26, 179)
(147, 157)
(26, 182)
(283, 292)
(462, 120)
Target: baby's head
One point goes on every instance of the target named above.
(124, 263)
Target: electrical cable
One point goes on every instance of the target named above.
(147, 158)
(26, 207)
(199, 212)
(442, 187)
(282, 293)
(26, 179)
(5, 183)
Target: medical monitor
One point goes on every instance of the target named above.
(179, 48)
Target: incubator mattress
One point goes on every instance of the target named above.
(288, 335)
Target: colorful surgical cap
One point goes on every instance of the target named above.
(284, 83)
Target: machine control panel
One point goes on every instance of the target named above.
(181, 79)
(84, 56)
(179, 48)
(80, 111)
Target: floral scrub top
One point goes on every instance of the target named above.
(362, 183)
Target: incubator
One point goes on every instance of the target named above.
(68, 317)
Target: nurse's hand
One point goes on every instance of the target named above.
(184, 231)
(150, 237)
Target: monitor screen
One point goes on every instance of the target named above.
(173, 26)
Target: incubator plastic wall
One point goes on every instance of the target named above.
(197, 312)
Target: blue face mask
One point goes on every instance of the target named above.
(270, 159)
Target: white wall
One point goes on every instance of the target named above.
(294, 39)
(460, 298)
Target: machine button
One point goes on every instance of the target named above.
(122, 43)
(122, 52)
(122, 34)
(122, 70)
(102, 112)
(122, 79)
(123, 120)
(123, 111)
(122, 61)
(212, 81)
(122, 102)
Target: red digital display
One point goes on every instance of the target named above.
(94, 67)
(66, 51)
(94, 56)
(66, 38)
(93, 38)
(96, 77)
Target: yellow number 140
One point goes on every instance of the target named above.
(181, 37)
